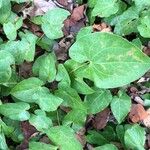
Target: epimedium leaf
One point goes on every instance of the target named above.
(71, 98)
(135, 137)
(105, 8)
(15, 111)
(81, 87)
(94, 137)
(120, 106)
(45, 67)
(10, 30)
(75, 118)
(40, 121)
(16, 135)
(31, 91)
(5, 11)
(144, 27)
(52, 22)
(40, 145)
(141, 5)
(29, 40)
(98, 101)
(3, 144)
(6, 60)
(16, 48)
(106, 147)
(97, 53)
(62, 76)
(64, 137)
(127, 22)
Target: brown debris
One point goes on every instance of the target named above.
(28, 130)
(137, 113)
(103, 27)
(101, 119)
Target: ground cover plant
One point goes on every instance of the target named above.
(74, 74)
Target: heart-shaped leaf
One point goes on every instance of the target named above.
(15, 111)
(108, 59)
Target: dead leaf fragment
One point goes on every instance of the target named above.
(146, 121)
(137, 113)
(101, 119)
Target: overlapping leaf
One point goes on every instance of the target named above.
(97, 52)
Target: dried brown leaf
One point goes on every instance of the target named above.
(101, 119)
(137, 113)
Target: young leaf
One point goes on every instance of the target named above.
(135, 137)
(102, 66)
(44, 67)
(144, 27)
(10, 30)
(105, 8)
(40, 121)
(15, 111)
(120, 106)
(64, 137)
(98, 101)
(106, 147)
(52, 22)
(40, 145)
(6, 59)
(30, 91)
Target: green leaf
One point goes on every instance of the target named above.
(120, 106)
(75, 118)
(40, 145)
(10, 30)
(15, 111)
(141, 5)
(16, 135)
(52, 22)
(62, 76)
(91, 3)
(105, 8)
(45, 67)
(3, 144)
(98, 101)
(106, 147)
(30, 91)
(135, 137)
(81, 87)
(40, 121)
(5, 10)
(46, 43)
(16, 48)
(94, 137)
(29, 40)
(71, 98)
(98, 61)
(6, 60)
(22, 1)
(144, 27)
(64, 137)
(127, 22)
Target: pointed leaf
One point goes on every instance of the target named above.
(121, 106)
(15, 111)
(64, 137)
(97, 52)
